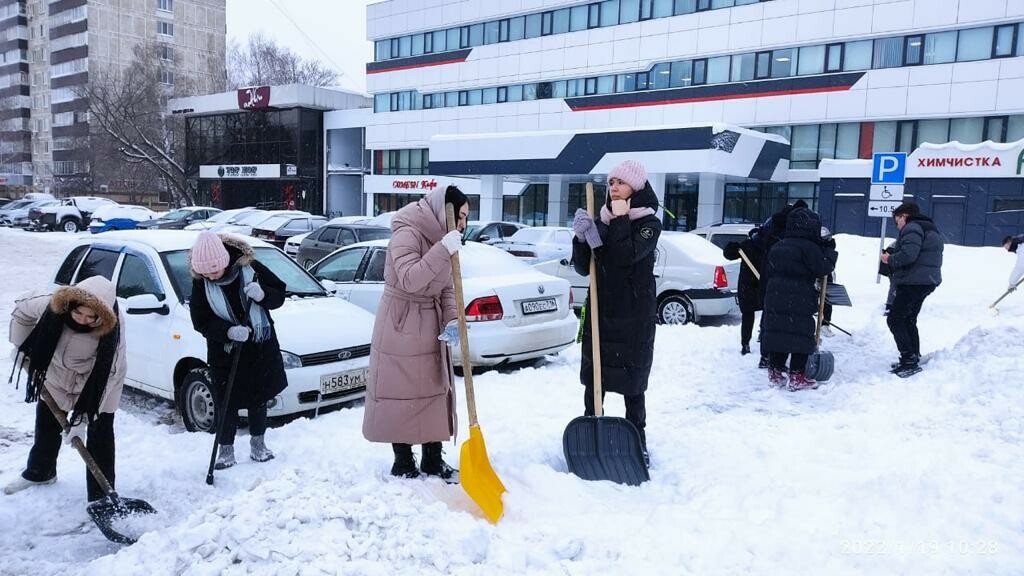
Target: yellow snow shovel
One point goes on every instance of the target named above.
(475, 473)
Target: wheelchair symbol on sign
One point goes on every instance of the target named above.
(885, 193)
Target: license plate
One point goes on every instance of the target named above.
(538, 306)
(341, 381)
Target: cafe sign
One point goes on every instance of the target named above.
(239, 171)
(414, 184)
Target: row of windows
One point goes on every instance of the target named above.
(165, 5)
(165, 28)
(63, 94)
(68, 167)
(12, 56)
(917, 49)
(68, 16)
(14, 33)
(408, 161)
(70, 41)
(11, 10)
(594, 15)
(15, 79)
(69, 67)
(166, 76)
(69, 118)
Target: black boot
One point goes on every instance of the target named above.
(433, 465)
(745, 349)
(764, 363)
(405, 462)
(643, 447)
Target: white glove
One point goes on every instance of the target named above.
(254, 291)
(452, 241)
(238, 333)
(76, 431)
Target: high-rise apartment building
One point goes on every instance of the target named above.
(50, 49)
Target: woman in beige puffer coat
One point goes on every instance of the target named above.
(409, 395)
(70, 340)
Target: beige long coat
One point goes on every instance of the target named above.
(409, 396)
(76, 352)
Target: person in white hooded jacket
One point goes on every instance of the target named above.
(1011, 244)
(70, 340)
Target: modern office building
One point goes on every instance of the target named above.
(269, 147)
(49, 49)
(735, 106)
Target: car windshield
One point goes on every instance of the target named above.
(177, 215)
(529, 235)
(297, 281)
(471, 231)
(374, 234)
(252, 219)
(274, 222)
(18, 204)
(225, 216)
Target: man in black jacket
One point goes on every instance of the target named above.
(915, 264)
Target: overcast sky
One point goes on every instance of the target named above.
(332, 31)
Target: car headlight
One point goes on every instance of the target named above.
(290, 360)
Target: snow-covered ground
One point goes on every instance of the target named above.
(870, 474)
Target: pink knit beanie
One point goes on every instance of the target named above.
(208, 253)
(631, 172)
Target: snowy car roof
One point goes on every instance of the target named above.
(163, 240)
(697, 248)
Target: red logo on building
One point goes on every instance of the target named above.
(414, 184)
(254, 98)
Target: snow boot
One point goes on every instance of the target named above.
(763, 362)
(225, 457)
(826, 331)
(745, 350)
(777, 377)
(405, 462)
(433, 465)
(905, 361)
(20, 483)
(799, 381)
(258, 450)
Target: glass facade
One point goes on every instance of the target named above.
(290, 136)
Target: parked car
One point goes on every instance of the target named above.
(328, 238)
(5, 201)
(540, 243)
(722, 234)
(16, 213)
(69, 214)
(119, 217)
(489, 232)
(243, 224)
(178, 219)
(280, 227)
(514, 312)
(291, 245)
(325, 365)
(222, 218)
(693, 279)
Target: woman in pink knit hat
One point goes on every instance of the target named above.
(623, 239)
(232, 295)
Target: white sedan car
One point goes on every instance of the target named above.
(539, 243)
(513, 311)
(325, 342)
(693, 279)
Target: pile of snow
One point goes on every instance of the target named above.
(868, 474)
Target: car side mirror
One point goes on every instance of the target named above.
(483, 238)
(329, 285)
(564, 262)
(145, 304)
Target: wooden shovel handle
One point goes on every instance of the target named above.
(90, 463)
(595, 325)
(460, 308)
(749, 264)
(821, 309)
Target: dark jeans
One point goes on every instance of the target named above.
(902, 319)
(747, 328)
(778, 361)
(636, 410)
(42, 459)
(257, 422)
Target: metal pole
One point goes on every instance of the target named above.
(881, 246)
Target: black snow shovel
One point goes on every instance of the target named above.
(236, 353)
(111, 508)
(602, 447)
(821, 363)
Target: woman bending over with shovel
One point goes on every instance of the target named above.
(624, 239)
(232, 296)
(72, 343)
(410, 398)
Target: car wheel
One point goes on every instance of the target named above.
(198, 401)
(308, 264)
(675, 309)
(69, 225)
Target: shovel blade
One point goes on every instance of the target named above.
(820, 365)
(478, 478)
(105, 511)
(605, 448)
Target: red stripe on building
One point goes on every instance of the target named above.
(867, 140)
(411, 66)
(713, 98)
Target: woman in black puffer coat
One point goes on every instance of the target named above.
(748, 292)
(791, 300)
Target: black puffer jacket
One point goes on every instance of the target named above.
(260, 369)
(749, 290)
(628, 301)
(791, 300)
(916, 256)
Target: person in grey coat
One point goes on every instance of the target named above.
(915, 268)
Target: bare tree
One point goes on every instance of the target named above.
(263, 62)
(128, 114)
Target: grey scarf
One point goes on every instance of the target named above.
(258, 319)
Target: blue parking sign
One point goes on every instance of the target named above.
(889, 168)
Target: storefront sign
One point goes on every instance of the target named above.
(239, 171)
(955, 160)
(254, 98)
(414, 184)
(290, 170)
